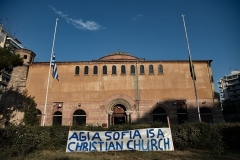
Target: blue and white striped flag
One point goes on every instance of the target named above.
(54, 67)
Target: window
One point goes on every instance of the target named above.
(39, 116)
(77, 70)
(141, 69)
(104, 69)
(206, 115)
(151, 69)
(79, 117)
(159, 115)
(25, 56)
(132, 68)
(182, 115)
(114, 70)
(57, 118)
(86, 70)
(160, 69)
(95, 70)
(123, 69)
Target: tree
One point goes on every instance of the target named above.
(9, 60)
(30, 114)
(229, 107)
(230, 111)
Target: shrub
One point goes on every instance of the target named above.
(230, 134)
(30, 114)
(197, 136)
(22, 140)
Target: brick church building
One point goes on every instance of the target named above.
(119, 88)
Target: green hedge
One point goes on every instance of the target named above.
(198, 136)
(21, 140)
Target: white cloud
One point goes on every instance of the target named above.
(79, 23)
(138, 16)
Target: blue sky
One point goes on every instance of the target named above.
(150, 29)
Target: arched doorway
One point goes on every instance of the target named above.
(39, 116)
(206, 115)
(182, 115)
(57, 118)
(79, 117)
(159, 115)
(119, 110)
(119, 115)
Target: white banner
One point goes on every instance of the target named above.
(150, 139)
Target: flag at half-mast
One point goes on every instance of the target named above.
(54, 67)
(191, 66)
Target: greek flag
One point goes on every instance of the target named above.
(54, 67)
(191, 66)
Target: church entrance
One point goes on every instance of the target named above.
(119, 115)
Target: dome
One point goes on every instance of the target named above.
(119, 56)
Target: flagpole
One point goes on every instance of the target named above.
(45, 106)
(192, 70)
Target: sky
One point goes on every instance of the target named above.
(150, 29)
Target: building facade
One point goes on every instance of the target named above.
(13, 80)
(230, 88)
(121, 88)
(7, 41)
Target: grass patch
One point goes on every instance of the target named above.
(128, 155)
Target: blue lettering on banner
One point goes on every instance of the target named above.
(101, 143)
(160, 133)
(74, 135)
(81, 137)
(123, 134)
(119, 145)
(151, 132)
(145, 149)
(137, 145)
(69, 148)
(116, 135)
(106, 145)
(108, 136)
(153, 144)
(137, 134)
(96, 135)
(111, 145)
(93, 146)
(78, 147)
(84, 146)
(128, 145)
(151, 139)
(130, 134)
(166, 143)
(159, 142)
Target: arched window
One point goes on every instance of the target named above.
(86, 70)
(151, 69)
(132, 68)
(206, 115)
(57, 118)
(119, 116)
(104, 69)
(159, 115)
(160, 69)
(95, 70)
(79, 117)
(123, 69)
(114, 70)
(141, 69)
(25, 56)
(77, 70)
(39, 116)
(182, 115)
